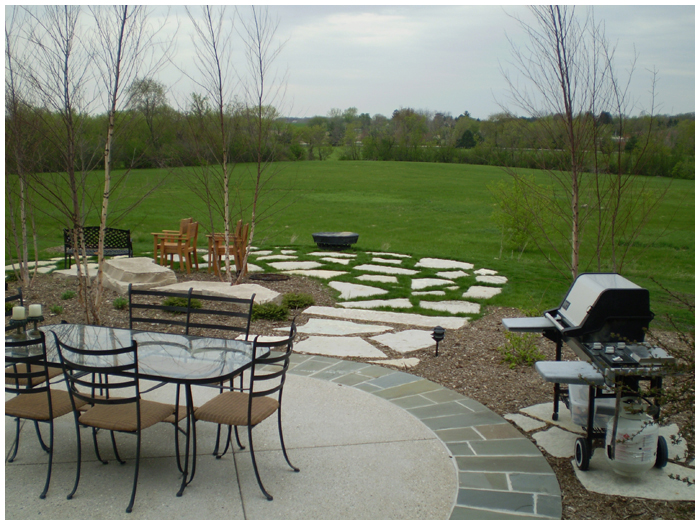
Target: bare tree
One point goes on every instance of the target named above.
(568, 66)
(263, 90)
(126, 50)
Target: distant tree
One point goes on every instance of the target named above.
(467, 140)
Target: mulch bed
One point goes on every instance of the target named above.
(468, 363)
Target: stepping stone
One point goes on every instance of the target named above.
(406, 341)
(351, 291)
(452, 275)
(454, 307)
(336, 260)
(378, 278)
(333, 254)
(655, 483)
(276, 258)
(409, 362)
(385, 269)
(378, 303)
(450, 323)
(385, 261)
(385, 254)
(257, 253)
(543, 411)
(321, 274)
(40, 264)
(558, 442)
(419, 284)
(241, 291)
(288, 252)
(73, 272)
(296, 265)
(44, 270)
(432, 292)
(336, 327)
(338, 347)
(526, 423)
(452, 288)
(484, 271)
(428, 262)
(492, 279)
(481, 292)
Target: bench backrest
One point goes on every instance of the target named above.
(114, 238)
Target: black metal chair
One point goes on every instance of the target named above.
(234, 408)
(108, 381)
(26, 374)
(142, 312)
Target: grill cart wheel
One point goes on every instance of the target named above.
(661, 453)
(582, 454)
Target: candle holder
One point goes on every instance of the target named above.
(36, 320)
(18, 324)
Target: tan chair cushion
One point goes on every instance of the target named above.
(36, 406)
(22, 369)
(180, 414)
(231, 408)
(122, 418)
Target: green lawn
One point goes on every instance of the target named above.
(421, 209)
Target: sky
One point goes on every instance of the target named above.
(448, 58)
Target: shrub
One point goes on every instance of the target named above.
(56, 309)
(294, 301)
(9, 307)
(182, 302)
(120, 303)
(270, 312)
(68, 294)
(520, 349)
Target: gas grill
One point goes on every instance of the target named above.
(603, 319)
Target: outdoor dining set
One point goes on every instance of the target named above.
(98, 373)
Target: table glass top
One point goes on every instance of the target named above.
(162, 356)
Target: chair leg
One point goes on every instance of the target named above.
(116, 452)
(48, 474)
(228, 442)
(238, 439)
(17, 430)
(255, 464)
(136, 472)
(38, 435)
(284, 449)
(97, 448)
(77, 473)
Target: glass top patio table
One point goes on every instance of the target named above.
(162, 356)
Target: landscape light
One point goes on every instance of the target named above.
(438, 335)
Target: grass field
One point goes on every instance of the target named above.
(421, 209)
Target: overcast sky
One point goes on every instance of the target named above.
(441, 58)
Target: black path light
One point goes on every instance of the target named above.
(438, 335)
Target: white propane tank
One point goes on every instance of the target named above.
(636, 441)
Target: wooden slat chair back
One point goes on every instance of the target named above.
(108, 382)
(25, 377)
(220, 313)
(143, 304)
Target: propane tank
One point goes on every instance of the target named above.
(635, 442)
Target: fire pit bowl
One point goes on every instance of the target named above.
(335, 240)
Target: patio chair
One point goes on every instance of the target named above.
(237, 248)
(233, 408)
(25, 376)
(118, 407)
(184, 224)
(184, 246)
(143, 312)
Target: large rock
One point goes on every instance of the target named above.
(141, 272)
(241, 291)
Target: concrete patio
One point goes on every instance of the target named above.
(371, 443)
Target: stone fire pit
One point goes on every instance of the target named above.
(335, 240)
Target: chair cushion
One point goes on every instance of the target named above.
(122, 418)
(22, 369)
(35, 406)
(231, 409)
(177, 415)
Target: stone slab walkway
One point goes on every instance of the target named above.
(501, 473)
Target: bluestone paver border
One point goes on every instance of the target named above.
(502, 474)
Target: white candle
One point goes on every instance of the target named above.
(34, 310)
(19, 313)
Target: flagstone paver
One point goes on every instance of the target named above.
(351, 290)
(406, 341)
(385, 261)
(450, 323)
(338, 347)
(336, 260)
(242, 291)
(378, 303)
(378, 278)
(484, 271)
(419, 284)
(456, 274)
(321, 274)
(336, 327)
(276, 258)
(429, 262)
(385, 269)
(333, 254)
(430, 292)
(388, 254)
(296, 265)
(492, 279)
(481, 292)
(408, 362)
(455, 307)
